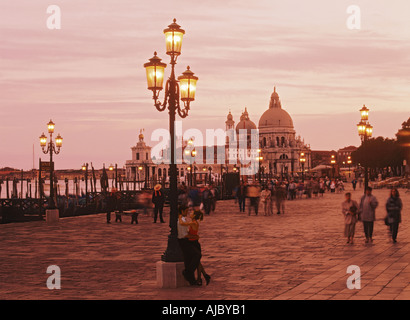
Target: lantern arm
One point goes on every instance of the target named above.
(56, 151)
(183, 112)
(161, 106)
(47, 149)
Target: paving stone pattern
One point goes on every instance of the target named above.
(299, 255)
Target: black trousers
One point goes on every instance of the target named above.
(158, 209)
(241, 201)
(134, 218)
(192, 257)
(394, 229)
(368, 228)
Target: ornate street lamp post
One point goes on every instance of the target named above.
(184, 88)
(111, 168)
(365, 131)
(85, 169)
(51, 148)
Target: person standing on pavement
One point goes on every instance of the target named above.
(280, 195)
(354, 183)
(241, 195)
(191, 254)
(158, 199)
(350, 209)
(394, 206)
(111, 203)
(193, 238)
(266, 199)
(253, 193)
(207, 199)
(368, 205)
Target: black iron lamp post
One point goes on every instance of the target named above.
(302, 160)
(111, 168)
(192, 154)
(183, 89)
(365, 131)
(85, 169)
(51, 148)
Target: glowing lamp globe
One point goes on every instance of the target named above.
(155, 73)
(59, 141)
(43, 140)
(187, 85)
(173, 38)
(364, 113)
(51, 127)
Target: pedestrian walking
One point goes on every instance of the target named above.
(350, 210)
(322, 187)
(214, 193)
(354, 183)
(207, 200)
(280, 195)
(253, 193)
(158, 199)
(266, 199)
(111, 201)
(367, 211)
(241, 195)
(394, 206)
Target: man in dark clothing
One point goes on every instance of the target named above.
(354, 182)
(206, 200)
(111, 203)
(241, 195)
(158, 199)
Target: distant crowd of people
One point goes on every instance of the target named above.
(274, 193)
(203, 197)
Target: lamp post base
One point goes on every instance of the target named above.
(169, 275)
(52, 216)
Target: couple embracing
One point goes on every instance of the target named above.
(190, 246)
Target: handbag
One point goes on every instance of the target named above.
(386, 221)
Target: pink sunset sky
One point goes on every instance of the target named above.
(89, 77)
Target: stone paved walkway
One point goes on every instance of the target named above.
(300, 255)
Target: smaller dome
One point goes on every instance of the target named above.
(245, 122)
(229, 117)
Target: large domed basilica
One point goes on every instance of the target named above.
(280, 148)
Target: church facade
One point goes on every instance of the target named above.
(277, 145)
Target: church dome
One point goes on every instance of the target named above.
(229, 117)
(245, 122)
(275, 116)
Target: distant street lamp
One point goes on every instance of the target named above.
(85, 169)
(192, 154)
(184, 88)
(349, 162)
(302, 160)
(333, 162)
(365, 131)
(51, 148)
(260, 159)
